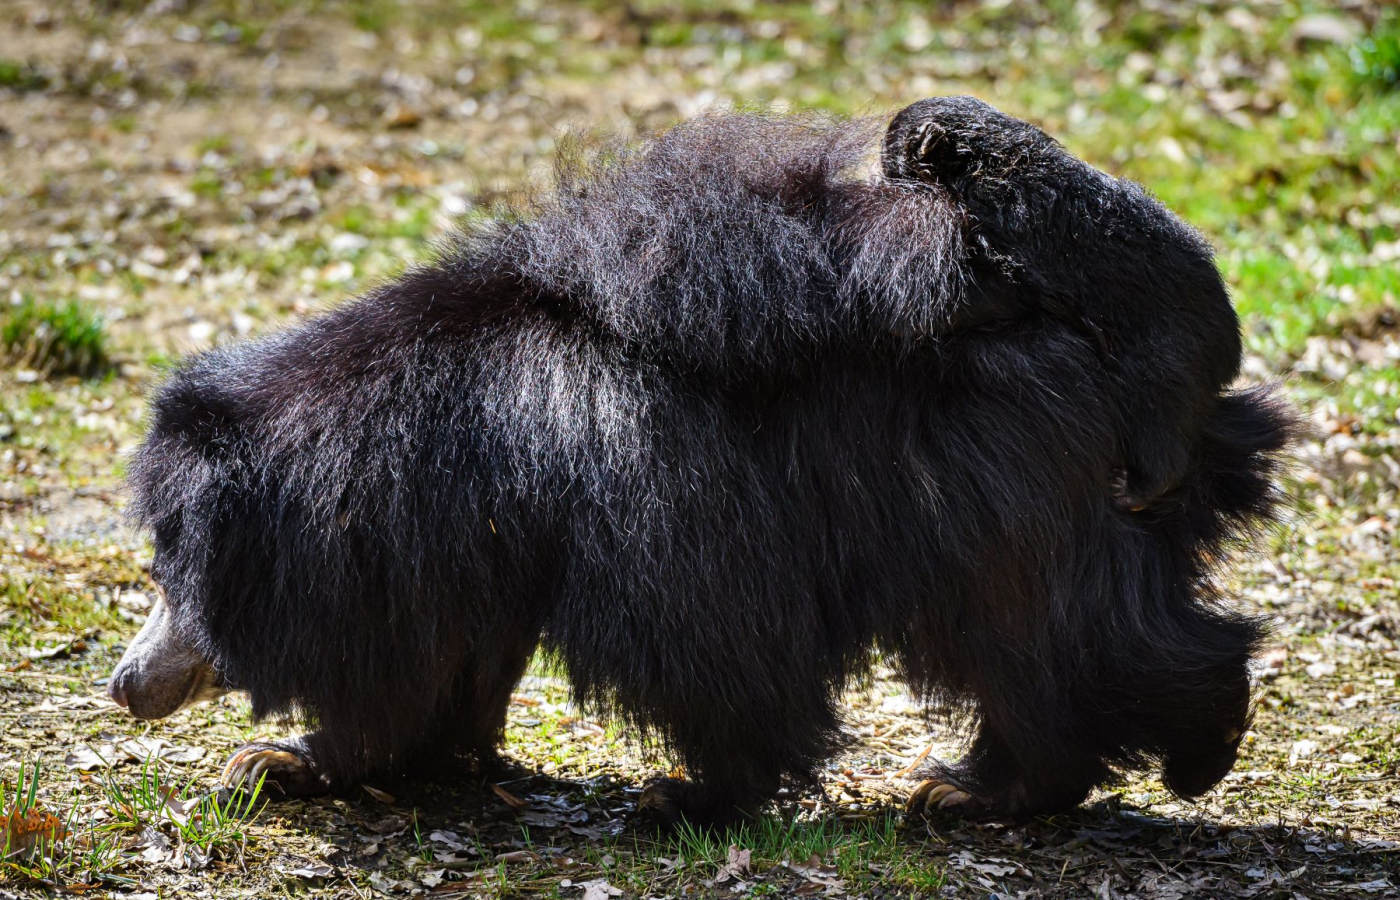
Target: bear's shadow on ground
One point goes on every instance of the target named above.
(477, 824)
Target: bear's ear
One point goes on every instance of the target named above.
(935, 139)
(970, 148)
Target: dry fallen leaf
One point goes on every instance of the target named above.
(738, 867)
(390, 826)
(382, 796)
(510, 799)
(57, 651)
(818, 873)
(452, 839)
(85, 759)
(401, 116)
(1325, 29)
(515, 856)
(995, 867)
(313, 872)
(598, 890)
(178, 810)
(114, 750)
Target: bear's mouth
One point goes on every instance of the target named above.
(205, 684)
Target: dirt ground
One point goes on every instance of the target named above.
(196, 174)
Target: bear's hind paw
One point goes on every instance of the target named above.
(670, 801)
(661, 802)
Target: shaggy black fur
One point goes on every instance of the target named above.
(713, 422)
(1056, 234)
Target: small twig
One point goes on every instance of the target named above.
(30, 673)
(904, 772)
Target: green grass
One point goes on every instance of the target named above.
(45, 843)
(49, 845)
(54, 337)
(853, 852)
(43, 602)
(1314, 168)
(1376, 58)
(212, 823)
(61, 602)
(21, 77)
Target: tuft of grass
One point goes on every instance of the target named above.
(857, 850)
(56, 849)
(21, 814)
(21, 77)
(43, 846)
(214, 143)
(1375, 59)
(424, 849)
(57, 338)
(215, 823)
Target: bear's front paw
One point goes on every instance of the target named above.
(935, 794)
(941, 795)
(283, 768)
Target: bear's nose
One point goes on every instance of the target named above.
(117, 691)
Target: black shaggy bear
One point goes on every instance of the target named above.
(713, 423)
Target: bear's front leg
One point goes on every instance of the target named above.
(996, 782)
(288, 768)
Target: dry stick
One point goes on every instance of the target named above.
(30, 673)
(354, 887)
(904, 772)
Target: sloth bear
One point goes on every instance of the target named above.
(713, 423)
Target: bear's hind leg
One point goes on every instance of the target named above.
(1188, 703)
(737, 745)
(475, 720)
(729, 779)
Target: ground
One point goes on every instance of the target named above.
(175, 175)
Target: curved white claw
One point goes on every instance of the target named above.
(932, 794)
